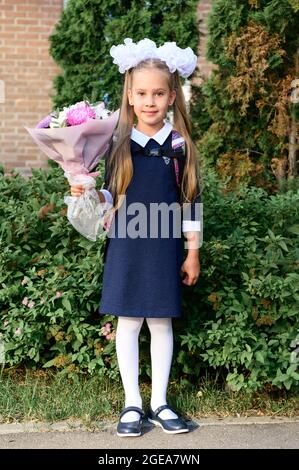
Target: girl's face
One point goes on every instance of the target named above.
(150, 97)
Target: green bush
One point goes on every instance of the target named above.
(50, 280)
(240, 320)
(242, 317)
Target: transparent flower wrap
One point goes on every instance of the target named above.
(86, 213)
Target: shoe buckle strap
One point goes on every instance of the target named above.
(132, 408)
(161, 408)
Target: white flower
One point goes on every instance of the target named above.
(129, 55)
(25, 301)
(60, 120)
(100, 111)
(24, 281)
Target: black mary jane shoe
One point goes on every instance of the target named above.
(133, 428)
(170, 426)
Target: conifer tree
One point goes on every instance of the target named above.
(251, 105)
(87, 29)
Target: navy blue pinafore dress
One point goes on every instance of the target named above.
(142, 275)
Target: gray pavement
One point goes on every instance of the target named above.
(207, 433)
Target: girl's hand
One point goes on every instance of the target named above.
(77, 190)
(190, 270)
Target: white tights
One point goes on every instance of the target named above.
(127, 349)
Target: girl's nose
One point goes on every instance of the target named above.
(150, 101)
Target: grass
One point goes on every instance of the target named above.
(27, 395)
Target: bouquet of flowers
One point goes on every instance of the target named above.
(76, 138)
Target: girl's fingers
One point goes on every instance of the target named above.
(190, 281)
(77, 190)
(76, 193)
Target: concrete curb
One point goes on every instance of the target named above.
(100, 426)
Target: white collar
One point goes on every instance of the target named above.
(160, 136)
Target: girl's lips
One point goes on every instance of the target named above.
(150, 112)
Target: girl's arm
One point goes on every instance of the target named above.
(191, 228)
(191, 225)
(104, 194)
(190, 269)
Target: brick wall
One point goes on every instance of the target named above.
(26, 74)
(205, 67)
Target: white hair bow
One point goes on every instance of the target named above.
(130, 54)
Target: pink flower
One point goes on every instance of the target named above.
(31, 304)
(18, 331)
(105, 330)
(25, 301)
(80, 113)
(58, 294)
(111, 336)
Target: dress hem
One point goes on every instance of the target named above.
(139, 314)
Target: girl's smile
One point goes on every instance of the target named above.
(150, 112)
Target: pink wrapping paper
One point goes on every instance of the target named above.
(77, 149)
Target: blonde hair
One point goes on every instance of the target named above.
(119, 163)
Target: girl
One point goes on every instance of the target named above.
(143, 272)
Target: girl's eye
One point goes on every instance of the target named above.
(159, 93)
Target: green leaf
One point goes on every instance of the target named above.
(66, 303)
(260, 357)
(283, 245)
(49, 363)
(294, 229)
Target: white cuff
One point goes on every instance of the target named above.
(107, 195)
(191, 226)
